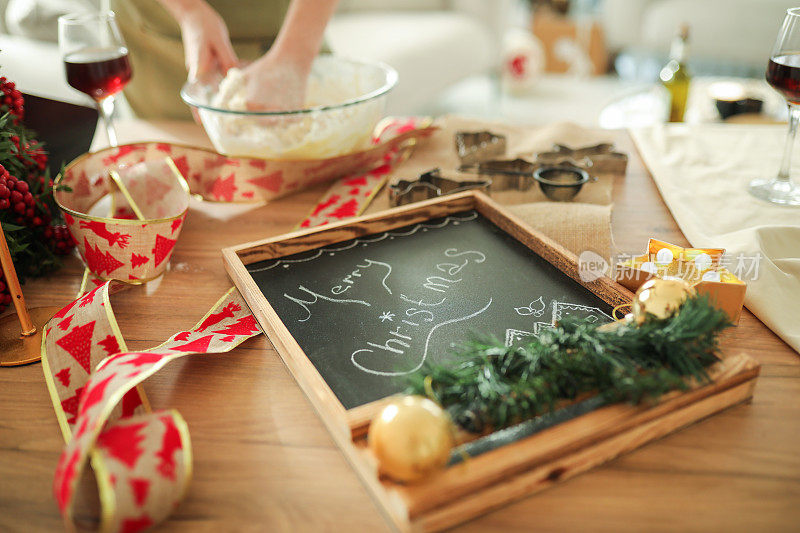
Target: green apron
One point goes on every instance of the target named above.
(156, 52)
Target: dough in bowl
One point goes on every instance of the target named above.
(324, 129)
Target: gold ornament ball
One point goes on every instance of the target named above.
(660, 298)
(411, 438)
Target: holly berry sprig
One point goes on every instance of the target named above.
(11, 100)
(31, 221)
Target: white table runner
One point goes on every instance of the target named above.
(702, 172)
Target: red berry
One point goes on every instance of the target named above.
(12, 99)
(4, 204)
(61, 240)
(27, 198)
(16, 196)
(4, 192)
(19, 207)
(22, 187)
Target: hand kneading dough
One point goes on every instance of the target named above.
(315, 134)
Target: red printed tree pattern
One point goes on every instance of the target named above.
(78, 343)
(99, 262)
(162, 248)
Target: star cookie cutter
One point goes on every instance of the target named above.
(512, 174)
(476, 146)
(599, 157)
(429, 185)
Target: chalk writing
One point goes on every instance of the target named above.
(314, 298)
(398, 342)
(379, 306)
(348, 282)
(451, 269)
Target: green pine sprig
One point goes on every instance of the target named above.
(486, 385)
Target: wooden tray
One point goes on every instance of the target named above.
(497, 477)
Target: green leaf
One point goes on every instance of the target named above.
(488, 385)
(9, 227)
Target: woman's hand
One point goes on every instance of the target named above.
(206, 43)
(276, 83)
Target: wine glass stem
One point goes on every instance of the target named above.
(784, 174)
(106, 108)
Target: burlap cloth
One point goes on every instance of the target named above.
(583, 224)
(702, 173)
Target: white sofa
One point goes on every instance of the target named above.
(432, 43)
(737, 34)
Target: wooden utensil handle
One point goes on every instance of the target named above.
(13, 287)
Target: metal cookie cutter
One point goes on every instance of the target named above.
(513, 174)
(598, 157)
(429, 185)
(476, 146)
(561, 183)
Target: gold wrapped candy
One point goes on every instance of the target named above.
(700, 268)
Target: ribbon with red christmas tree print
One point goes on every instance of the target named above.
(141, 458)
(118, 240)
(350, 195)
(125, 208)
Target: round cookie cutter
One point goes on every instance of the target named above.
(561, 183)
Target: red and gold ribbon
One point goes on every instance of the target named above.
(155, 179)
(142, 458)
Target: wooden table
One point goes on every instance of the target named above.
(263, 461)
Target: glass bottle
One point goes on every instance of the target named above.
(675, 75)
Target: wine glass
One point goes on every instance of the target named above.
(95, 59)
(783, 73)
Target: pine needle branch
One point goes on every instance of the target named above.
(486, 385)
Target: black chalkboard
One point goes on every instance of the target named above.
(366, 312)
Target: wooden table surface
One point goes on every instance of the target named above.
(264, 461)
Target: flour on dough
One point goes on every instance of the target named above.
(313, 135)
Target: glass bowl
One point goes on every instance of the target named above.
(347, 100)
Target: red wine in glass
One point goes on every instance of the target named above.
(98, 72)
(95, 59)
(783, 73)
